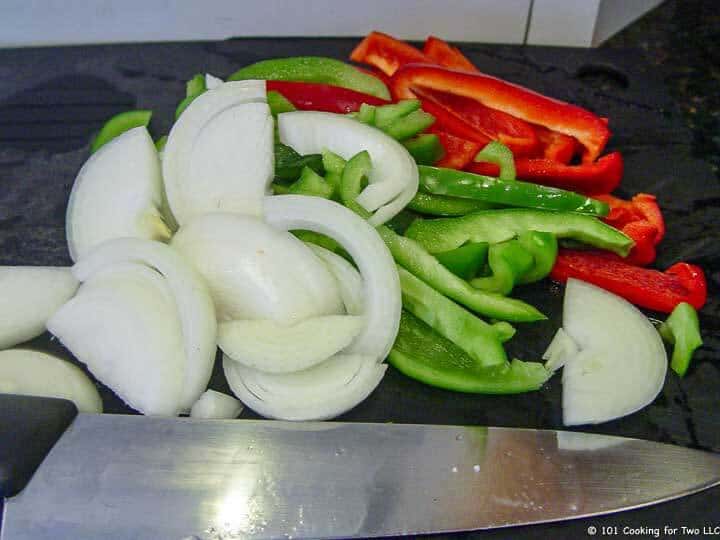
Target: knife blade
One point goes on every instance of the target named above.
(119, 476)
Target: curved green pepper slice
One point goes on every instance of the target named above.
(508, 261)
(465, 261)
(499, 154)
(440, 205)
(543, 247)
(682, 330)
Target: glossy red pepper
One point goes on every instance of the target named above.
(602, 176)
(458, 152)
(651, 289)
(323, 97)
(474, 121)
(446, 55)
(555, 146)
(387, 53)
(589, 129)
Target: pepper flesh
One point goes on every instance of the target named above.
(644, 287)
(308, 96)
(425, 148)
(441, 181)
(440, 205)
(507, 261)
(458, 152)
(496, 226)
(313, 69)
(682, 330)
(446, 55)
(599, 177)
(387, 53)
(432, 359)
(466, 260)
(589, 129)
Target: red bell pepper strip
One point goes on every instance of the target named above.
(471, 119)
(589, 129)
(323, 97)
(602, 176)
(446, 55)
(458, 152)
(643, 234)
(387, 53)
(651, 289)
(555, 146)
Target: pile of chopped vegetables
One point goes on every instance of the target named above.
(312, 219)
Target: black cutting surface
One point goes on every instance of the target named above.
(52, 100)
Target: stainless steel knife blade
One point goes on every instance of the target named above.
(119, 477)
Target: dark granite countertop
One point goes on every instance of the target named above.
(682, 38)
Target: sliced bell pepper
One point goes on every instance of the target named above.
(308, 96)
(425, 148)
(589, 129)
(499, 154)
(289, 164)
(458, 152)
(312, 184)
(682, 330)
(313, 69)
(596, 178)
(495, 226)
(471, 119)
(119, 124)
(422, 354)
(373, 72)
(439, 205)
(442, 181)
(387, 53)
(543, 246)
(465, 261)
(651, 289)
(278, 103)
(555, 146)
(446, 55)
(507, 261)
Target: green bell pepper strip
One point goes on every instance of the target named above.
(508, 261)
(119, 124)
(314, 69)
(311, 183)
(543, 247)
(289, 164)
(425, 148)
(440, 181)
(682, 330)
(424, 355)
(499, 154)
(193, 88)
(386, 115)
(160, 143)
(494, 226)
(278, 103)
(366, 114)
(411, 255)
(311, 237)
(440, 205)
(410, 125)
(473, 335)
(465, 261)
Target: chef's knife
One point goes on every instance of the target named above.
(118, 477)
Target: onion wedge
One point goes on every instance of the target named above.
(622, 362)
(394, 176)
(117, 193)
(255, 271)
(219, 154)
(319, 393)
(348, 279)
(275, 348)
(216, 405)
(381, 284)
(35, 373)
(30, 295)
(192, 299)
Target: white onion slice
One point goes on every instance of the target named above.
(123, 325)
(257, 272)
(219, 154)
(362, 242)
(192, 298)
(348, 278)
(35, 373)
(216, 405)
(319, 393)
(275, 348)
(561, 348)
(622, 361)
(393, 180)
(30, 295)
(117, 193)
(212, 82)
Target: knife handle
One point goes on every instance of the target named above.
(29, 427)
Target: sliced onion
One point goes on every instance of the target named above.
(321, 392)
(348, 278)
(394, 176)
(212, 82)
(362, 242)
(123, 324)
(561, 348)
(30, 295)
(35, 373)
(219, 154)
(192, 299)
(622, 361)
(275, 348)
(257, 272)
(117, 193)
(216, 405)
